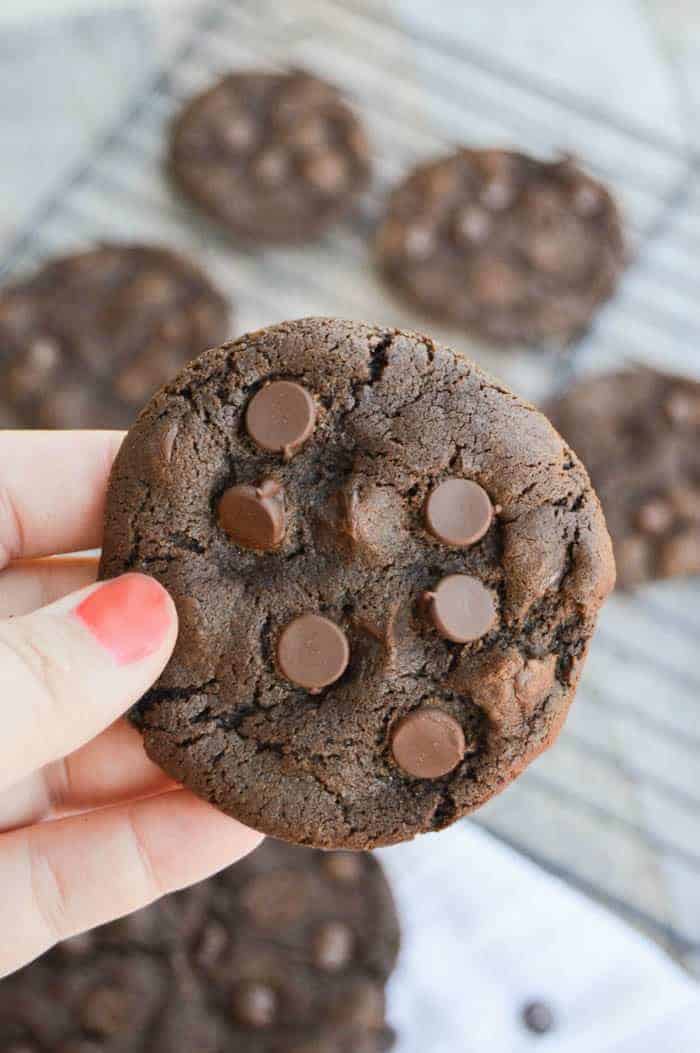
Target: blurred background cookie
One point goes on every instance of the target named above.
(273, 157)
(88, 337)
(638, 433)
(514, 249)
(286, 952)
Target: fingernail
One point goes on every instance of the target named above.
(129, 617)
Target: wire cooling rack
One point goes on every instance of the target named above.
(615, 807)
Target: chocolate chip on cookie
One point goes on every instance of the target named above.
(272, 157)
(638, 432)
(223, 965)
(88, 338)
(514, 249)
(387, 649)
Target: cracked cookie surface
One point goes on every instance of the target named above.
(286, 952)
(369, 648)
(89, 337)
(273, 157)
(514, 249)
(638, 432)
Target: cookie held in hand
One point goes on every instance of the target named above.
(387, 569)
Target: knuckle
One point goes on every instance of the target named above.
(11, 534)
(49, 891)
(153, 885)
(38, 669)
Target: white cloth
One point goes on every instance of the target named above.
(486, 932)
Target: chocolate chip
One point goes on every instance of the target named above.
(683, 409)
(333, 946)
(471, 225)
(105, 1011)
(327, 172)
(281, 417)
(272, 167)
(458, 512)
(655, 516)
(313, 652)
(239, 132)
(497, 194)
(461, 608)
(309, 134)
(587, 199)
(428, 743)
(253, 516)
(343, 866)
(419, 242)
(538, 1018)
(254, 1004)
(213, 943)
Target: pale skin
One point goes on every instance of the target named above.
(90, 829)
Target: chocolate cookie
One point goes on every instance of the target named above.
(638, 433)
(273, 157)
(514, 249)
(286, 952)
(90, 336)
(387, 569)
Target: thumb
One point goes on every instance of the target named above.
(70, 669)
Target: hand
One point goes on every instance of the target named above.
(90, 829)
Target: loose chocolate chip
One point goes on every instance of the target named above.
(333, 946)
(458, 512)
(538, 1018)
(254, 1004)
(281, 417)
(313, 651)
(104, 1011)
(655, 517)
(428, 743)
(253, 516)
(343, 866)
(461, 608)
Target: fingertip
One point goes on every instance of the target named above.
(131, 617)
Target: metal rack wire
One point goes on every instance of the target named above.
(615, 808)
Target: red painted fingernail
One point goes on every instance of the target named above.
(129, 617)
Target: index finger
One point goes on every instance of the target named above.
(52, 490)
